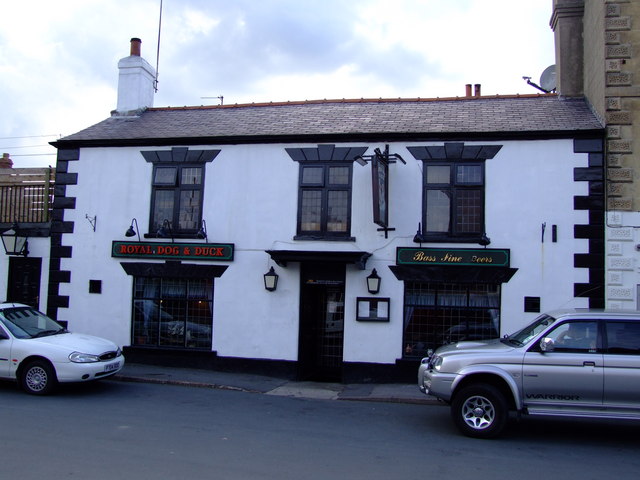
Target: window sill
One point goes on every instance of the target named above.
(322, 238)
(441, 239)
(188, 236)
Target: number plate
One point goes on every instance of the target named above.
(111, 367)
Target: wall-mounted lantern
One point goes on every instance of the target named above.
(14, 242)
(271, 280)
(373, 282)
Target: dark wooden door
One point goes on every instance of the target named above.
(24, 281)
(321, 322)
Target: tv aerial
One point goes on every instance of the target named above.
(547, 80)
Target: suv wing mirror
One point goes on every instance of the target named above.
(547, 345)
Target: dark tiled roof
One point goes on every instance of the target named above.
(528, 115)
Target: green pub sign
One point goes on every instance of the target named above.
(480, 257)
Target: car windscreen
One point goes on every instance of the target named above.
(524, 336)
(25, 322)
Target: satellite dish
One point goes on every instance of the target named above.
(548, 78)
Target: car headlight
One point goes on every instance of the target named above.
(436, 363)
(77, 357)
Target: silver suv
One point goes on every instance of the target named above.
(578, 363)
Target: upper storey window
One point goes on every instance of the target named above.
(177, 197)
(324, 203)
(454, 199)
(324, 191)
(177, 190)
(453, 208)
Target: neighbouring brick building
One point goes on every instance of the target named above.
(597, 58)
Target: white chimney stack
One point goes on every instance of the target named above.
(135, 82)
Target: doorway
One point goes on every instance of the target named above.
(321, 321)
(24, 281)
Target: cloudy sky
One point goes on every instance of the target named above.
(58, 59)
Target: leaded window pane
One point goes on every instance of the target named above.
(165, 176)
(191, 176)
(468, 216)
(339, 175)
(172, 323)
(311, 211)
(198, 326)
(173, 288)
(312, 175)
(469, 174)
(162, 208)
(189, 215)
(338, 211)
(146, 321)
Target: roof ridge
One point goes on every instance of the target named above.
(355, 100)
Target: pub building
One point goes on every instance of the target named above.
(325, 240)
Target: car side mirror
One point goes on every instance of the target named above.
(547, 345)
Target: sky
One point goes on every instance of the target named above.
(59, 75)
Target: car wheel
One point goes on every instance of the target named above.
(480, 411)
(38, 378)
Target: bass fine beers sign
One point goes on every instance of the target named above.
(453, 256)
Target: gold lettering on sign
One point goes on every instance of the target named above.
(476, 259)
(422, 257)
(451, 259)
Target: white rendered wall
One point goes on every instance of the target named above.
(251, 201)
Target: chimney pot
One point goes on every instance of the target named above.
(468, 89)
(135, 47)
(477, 89)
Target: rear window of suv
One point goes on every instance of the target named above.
(623, 337)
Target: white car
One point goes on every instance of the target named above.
(38, 352)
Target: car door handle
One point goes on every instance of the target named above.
(589, 364)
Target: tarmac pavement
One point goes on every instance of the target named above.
(246, 382)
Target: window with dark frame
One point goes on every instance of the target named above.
(177, 189)
(172, 312)
(177, 193)
(324, 203)
(453, 200)
(439, 313)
